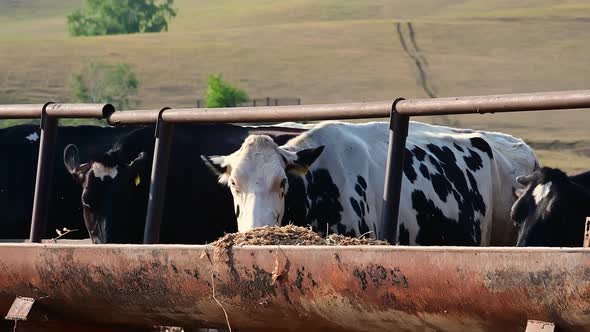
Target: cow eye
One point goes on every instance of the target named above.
(233, 184)
(283, 183)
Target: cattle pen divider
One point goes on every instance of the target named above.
(399, 111)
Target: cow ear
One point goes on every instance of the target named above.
(71, 159)
(218, 166)
(72, 163)
(524, 179)
(519, 192)
(304, 159)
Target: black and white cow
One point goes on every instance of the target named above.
(115, 185)
(19, 146)
(455, 182)
(552, 208)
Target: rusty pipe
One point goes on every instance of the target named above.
(33, 111)
(496, 103)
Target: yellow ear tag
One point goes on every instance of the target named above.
(304, 170)
(137, 180)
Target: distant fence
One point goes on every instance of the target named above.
(267, 101)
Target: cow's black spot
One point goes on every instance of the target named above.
(408, 168)
(458, 147)
(473, 161)
(361, 180)
(404, 235)
(450, 179)
(356, 207)
(363, 228)
(318, 204)
(424, 171)
(362, 208)
(437, 229)
(359, 190)
(419, 153)
(480, 144)
(296, 202)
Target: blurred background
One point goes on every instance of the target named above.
(147, 54)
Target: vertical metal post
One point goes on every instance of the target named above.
(44, 175)
(164, 132)
(398, 132)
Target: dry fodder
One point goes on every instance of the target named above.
(289, 235)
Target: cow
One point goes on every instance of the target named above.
(552, 208)
(455, 182)
(20, 147)
(115, 185)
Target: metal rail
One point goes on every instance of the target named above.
(399, 114)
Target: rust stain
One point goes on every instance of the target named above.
(340, 289)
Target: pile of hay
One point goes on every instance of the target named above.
(289, 235)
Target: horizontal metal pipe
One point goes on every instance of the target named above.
(496, 103)
(377, 109)
(23, 111)
(33, 111)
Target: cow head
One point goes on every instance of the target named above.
(109, 193)
(536, 212)
(257, 177)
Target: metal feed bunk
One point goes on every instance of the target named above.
(109, 287)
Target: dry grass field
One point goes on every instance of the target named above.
(328, 51)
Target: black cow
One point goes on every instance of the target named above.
(19, 146)
(197, 210)
(552, 208)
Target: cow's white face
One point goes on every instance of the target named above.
(257, 177)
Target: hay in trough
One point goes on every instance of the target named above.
(289, 235)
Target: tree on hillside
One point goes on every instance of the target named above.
(222, 94)
(106, 83)
(109, 17)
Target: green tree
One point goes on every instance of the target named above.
(109, 17)
(106, 83)
(222, 94)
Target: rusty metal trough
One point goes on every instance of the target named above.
(315, 288)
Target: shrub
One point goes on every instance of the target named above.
(106, 83)
(109, 17)
(222, 94)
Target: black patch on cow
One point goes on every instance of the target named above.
(424, 171)
(296, 202)
(480, 144)
(437, 229)
(458, 147)
(359, 190)
(408, 168)
(361, 180)
(419, 153)
(317, 205)
(356, 207)
(404, 235)
(473, 161)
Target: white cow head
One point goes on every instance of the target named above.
(257, 177)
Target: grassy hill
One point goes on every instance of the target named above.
(327, 51)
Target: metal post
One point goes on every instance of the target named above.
(44, 175)
(164, 131)
(398, 131)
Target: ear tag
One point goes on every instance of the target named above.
(137, 180)
(304, 170)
